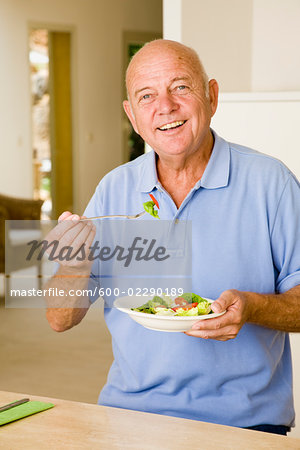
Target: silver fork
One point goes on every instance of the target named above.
(136, 216)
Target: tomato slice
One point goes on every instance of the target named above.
(186, 307)
(154, 200)
(181, 301)
(192, 305)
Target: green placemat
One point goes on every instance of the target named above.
(24, 410)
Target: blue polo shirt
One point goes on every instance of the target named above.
(245, 214)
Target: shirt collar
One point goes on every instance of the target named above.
(216, 174)
(148, 176)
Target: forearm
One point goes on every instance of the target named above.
(67, 310)
(278, 311)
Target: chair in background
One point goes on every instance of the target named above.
(19, 234)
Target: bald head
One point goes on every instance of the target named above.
(159, 47)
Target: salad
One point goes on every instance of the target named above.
(149, 206)
(188, 304)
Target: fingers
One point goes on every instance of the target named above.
(91, 236)
(226, 326)
(70, 216)
(64, 224)
(216, 323)
(222, 328)
(57, 233)
(64, 215)
(226, 299)
(223, 334)
(70, 235)
(85, 236)
(73, 217)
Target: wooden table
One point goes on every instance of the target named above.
(73, 425)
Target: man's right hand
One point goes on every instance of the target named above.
(75, 237)
(73, 274)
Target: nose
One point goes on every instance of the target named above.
(166, 103)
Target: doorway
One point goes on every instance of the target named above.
(51, 119)
(133, 144)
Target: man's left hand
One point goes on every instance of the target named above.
(228, 325)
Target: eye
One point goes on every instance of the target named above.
(181, 89)
(145, 98)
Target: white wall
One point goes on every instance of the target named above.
(14, 105)
(172, 19)
(259, 120)
(266, 122)
(250, 45)
(98, 26)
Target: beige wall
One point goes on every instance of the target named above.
(221, 32)
(275, 45)
(97, 90)
(248, 45)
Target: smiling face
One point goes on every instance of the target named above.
(168, 105)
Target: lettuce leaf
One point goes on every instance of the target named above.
(149, 208)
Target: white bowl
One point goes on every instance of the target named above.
(155, 321)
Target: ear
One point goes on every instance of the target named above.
(213, 95)
(130, 115)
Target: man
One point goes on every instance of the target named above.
(234, 369)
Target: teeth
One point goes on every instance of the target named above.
(172, 125)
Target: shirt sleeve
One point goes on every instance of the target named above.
(285, 237)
